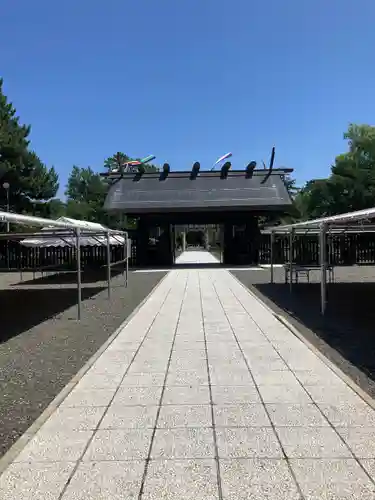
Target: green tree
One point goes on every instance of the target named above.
(119, 160)
(85, 185)
(314, 199)
(54, 209)
(116, 161)
(29, 179)
(291, 185)
(351, 184)
(85, 193)
(273, 219)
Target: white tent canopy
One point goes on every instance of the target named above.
(72, 232)
(358, 221)
(346, 220)
(52, 238)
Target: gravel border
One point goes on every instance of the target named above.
(37, 363)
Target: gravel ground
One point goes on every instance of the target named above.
(42, 345)
(346, 334)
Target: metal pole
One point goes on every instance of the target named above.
(79, 281)
(222, 242)
(125, 249)
(291, 234)
(109, 265)
(128, 253)
(7, 186)
(183, 234)
(21, 273)
(329, 255)
(8, 208)
(323, 267)
(272, 243)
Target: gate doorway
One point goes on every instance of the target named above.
(197, 244)
(161, 240)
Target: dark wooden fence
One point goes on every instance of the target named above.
(343, 250)
(15, 256)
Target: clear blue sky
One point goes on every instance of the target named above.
(189, 80)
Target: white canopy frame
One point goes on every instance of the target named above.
(44, 238)
(350, 222)
(65, 228)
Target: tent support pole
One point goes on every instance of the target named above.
(127, 254)
(109, 265)
(126, 260)
(79, 281)
(291, 233)
(323, 267)
(272, 245)
(21, 272)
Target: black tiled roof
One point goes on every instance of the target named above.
(179, 191)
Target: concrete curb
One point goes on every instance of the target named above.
(284, 321)
(22, 441)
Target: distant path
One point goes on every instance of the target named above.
(196, 257)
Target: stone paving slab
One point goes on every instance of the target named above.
(204, 395)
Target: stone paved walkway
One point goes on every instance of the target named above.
(204, 395)
(196, 257)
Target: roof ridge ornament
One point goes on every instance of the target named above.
(219, 160)
(195, 170)
(250, 169)
(164, 174)
(130, 166)
(225, 169)
(270, 168)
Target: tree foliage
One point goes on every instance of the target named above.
(85, 194)
(119, 159)
(291, 186)
(29, 179)
(351, 184)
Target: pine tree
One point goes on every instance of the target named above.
(29, 179)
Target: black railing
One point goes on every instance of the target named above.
(15, 256)
(343, 250)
